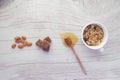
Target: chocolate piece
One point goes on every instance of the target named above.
(46, 45)
(48, 39)
(39, 43)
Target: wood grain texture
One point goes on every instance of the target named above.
(40, 18)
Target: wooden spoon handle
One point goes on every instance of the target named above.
(79, 61)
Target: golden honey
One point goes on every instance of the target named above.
(71, 35)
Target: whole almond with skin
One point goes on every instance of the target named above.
(29, 43)
(13, 45)
(20, 46)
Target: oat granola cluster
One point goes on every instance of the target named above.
(93, 35)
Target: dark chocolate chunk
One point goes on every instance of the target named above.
(39, 43)
(48, 39)
(46, 45)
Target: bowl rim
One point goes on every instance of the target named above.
(105, 36)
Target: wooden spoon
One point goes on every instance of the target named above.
(69, 44)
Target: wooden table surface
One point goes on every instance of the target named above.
(40, 18)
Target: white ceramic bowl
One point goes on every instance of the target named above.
(105, 38)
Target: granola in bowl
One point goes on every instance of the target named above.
(93, 35)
